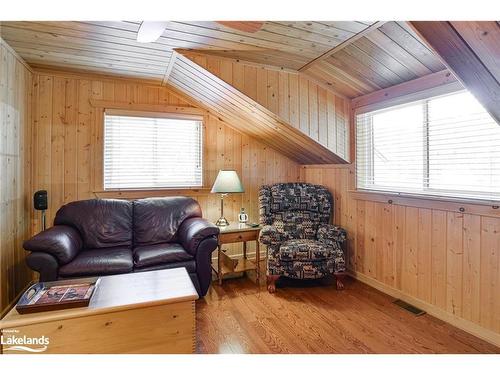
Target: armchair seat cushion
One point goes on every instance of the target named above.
(99, 262)
(304, 269)
(150, 255)
(303, 249)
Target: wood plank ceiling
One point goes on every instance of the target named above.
(89, 46)
(385, 56)
(111, 46)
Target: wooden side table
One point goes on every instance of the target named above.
(235, 233)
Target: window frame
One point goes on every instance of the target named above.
(424, 95)
(170, 113)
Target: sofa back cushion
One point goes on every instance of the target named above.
(102, 223)
(156, 220)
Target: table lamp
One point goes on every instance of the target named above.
(226, 182)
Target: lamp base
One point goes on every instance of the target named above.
(222, 222)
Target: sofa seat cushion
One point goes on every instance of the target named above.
(95, 262)
(150, 255)
(189, 265)
(303, 249)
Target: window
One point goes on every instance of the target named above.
(446, 146)
(152, 152)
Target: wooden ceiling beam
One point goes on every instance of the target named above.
(170, 66)
(193, 52)
(461, 59)
(406, 89)
(342, 45)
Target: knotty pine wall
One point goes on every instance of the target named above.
(304, 104)
(15, 121)
(425, 252)
(66, 146)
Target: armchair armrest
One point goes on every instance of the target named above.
(61, 241)
(193, 231)
(270, 236)
(328, 232)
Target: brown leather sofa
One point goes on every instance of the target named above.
(110, 236)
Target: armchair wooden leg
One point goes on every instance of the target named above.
(339, 278)
(271, 283)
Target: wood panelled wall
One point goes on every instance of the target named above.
(432, 255)
(314, 110)
(67, 142)
(15, 200)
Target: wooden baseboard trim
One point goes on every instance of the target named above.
(463, 324)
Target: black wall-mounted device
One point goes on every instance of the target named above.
(40, 200)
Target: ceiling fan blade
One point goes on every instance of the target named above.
(245, 26)
(150, 31)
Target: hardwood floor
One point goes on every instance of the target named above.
(313, 317)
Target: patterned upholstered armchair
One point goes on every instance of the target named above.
(301, 242)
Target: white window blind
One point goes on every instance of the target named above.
(152, 152)
(445, 146)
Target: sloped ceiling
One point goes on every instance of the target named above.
(357, 57)
(471, 51)
(111, 46)
(246, 115)
(384, 57)
(381, 57)
(89, 47)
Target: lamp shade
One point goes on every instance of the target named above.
(227, 182)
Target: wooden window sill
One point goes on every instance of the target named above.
(460, 205)
(147, 193)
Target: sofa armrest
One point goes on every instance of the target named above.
(192, 231)
(328, 232)
(204, 263)
(270, 236)
(61, 241)
(45, 264)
